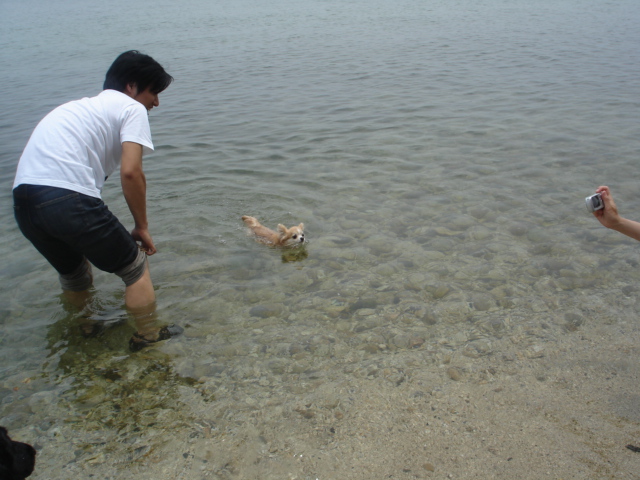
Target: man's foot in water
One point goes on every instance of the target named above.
(138, 342)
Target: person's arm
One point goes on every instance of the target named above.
(134, 188)
(610, 218)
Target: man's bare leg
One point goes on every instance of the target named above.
(76, 286)
(78, 300)
(141, 293)
(77, 295)
(140, 301)
(79, 303)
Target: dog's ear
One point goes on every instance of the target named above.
(301, 226)
(282, 229)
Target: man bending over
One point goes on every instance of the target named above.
(58, 184)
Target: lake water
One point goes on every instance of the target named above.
(438, 153)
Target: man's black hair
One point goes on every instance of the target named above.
(133, 67)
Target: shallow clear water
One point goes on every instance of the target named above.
(437, 152)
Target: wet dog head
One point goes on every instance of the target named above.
(290, 237)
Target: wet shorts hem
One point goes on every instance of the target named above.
(134, 271)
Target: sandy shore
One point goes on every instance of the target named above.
(565, 410)
(568, 413)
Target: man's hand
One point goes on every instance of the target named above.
(146, 242)
(607, 216)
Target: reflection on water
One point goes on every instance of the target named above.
(438, 157)
(294, 254)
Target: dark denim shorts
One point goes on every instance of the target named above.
(66, 227)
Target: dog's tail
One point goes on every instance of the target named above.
(250, 221)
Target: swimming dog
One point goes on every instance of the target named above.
(284, 237)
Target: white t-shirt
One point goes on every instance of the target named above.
(79, 144)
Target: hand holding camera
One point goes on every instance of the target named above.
(606, 211)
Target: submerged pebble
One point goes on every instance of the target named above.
(454, 374)
(266, 311)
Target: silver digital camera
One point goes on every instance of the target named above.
(594, 202)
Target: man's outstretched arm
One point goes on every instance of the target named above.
(134, 188)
